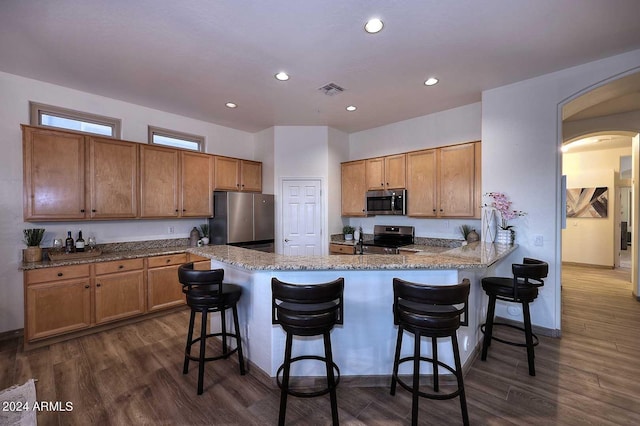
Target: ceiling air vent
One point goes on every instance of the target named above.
(331, 89)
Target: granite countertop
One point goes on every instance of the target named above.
(474, 255)
(118, 251)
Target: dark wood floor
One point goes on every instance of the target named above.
(132, 375)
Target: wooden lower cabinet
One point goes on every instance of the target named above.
(71, 300)
(342, 249)
(119, 290)
(163, 288)
(57, 301)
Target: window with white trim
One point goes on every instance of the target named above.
(63, 118)
(171, 138)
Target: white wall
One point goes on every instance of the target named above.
(521, 134)
(449, 127)
(16, 92)
(338, 152)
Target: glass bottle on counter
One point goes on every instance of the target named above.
(68, 243)
(80, 242)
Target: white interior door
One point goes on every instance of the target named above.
(302, 217)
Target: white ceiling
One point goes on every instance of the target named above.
(191, 56)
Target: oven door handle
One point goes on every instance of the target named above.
(393, 202)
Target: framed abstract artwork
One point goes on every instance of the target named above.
(588, 202)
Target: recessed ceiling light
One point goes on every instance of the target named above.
(351, 108)
(282, 76)
(431, 81)
(231, 105)
(373, 26)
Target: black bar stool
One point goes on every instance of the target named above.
(206, 293)
(307, 310)
(521, 288)
(432, 311)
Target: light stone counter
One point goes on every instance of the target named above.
(364, 344)
(472, 256)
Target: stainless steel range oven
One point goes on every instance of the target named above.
(387, 239)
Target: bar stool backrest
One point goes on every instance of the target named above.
(311, 306)
(430, 298)
(529, 273)
(200, 286)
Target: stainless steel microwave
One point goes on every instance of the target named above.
(392, 202)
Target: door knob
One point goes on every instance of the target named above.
(286, 240)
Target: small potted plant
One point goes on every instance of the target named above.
(347, 230)
(33, 238)
(205, 233)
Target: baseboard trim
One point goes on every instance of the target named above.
(588, 265)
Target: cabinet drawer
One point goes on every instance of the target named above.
(341, 249)
(119, 266)
(196, 258)
(171, 259)
(57, 273)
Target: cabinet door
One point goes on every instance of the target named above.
(251, 176)
(197, 192)
(158, 181)
(354, 188)
(456, 178)
(395, 171)
(57, 307)
(112, 174)
(53, 174)
(375, 173)
(163, 288)
(422, 183)
(227, 172)
(119, 296)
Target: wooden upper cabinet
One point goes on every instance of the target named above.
(196, 195)
(422, 189)
(159, 181)
(354, 187)
(456, 176)
(233, 174)
(112, 176)
(226, 171)
(250, 176)
(53, 165)
(444, 182)
(386, 172)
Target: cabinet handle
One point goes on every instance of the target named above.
(120, 266)
(441, 210)
(60, 274)
(81, 210)
(434, 210)
(177, 210)
(168, 260)
(184, 210)
(93, 210)
(86, 286)
(98, 285)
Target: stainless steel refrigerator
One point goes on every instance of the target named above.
(243, 219)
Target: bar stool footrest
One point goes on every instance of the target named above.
(213, 358)
(309, 394)
(438, 396)
(510, 342)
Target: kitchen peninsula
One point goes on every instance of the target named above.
(364, 345)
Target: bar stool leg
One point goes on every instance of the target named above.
(416, 379)
(285, 379)
(331, 382)
(187, 349)
(396, 361)
(236, 324)
(223, 325)
(463, 398)
(434, 348)
(529, 338)
(488, 327)
(203, 344)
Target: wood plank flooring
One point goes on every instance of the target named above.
(133, 375)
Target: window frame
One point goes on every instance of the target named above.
(36, 110)
(199, 140)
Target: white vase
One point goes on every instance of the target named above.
(205, 240)
(348, 237)
(505, 236)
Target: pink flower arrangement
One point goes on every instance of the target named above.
(501, 202)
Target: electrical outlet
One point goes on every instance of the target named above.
(538, 240)
(171, 230)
